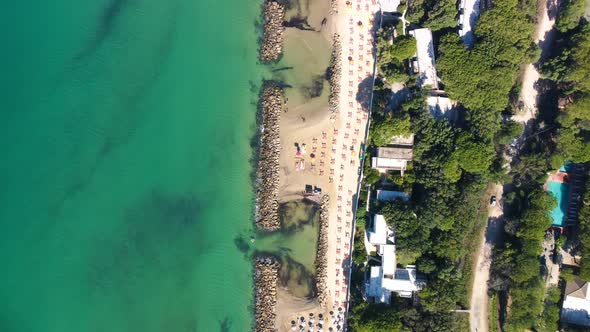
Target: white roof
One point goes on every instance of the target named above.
(404, 282)
(576, 311)
(438, 106)
(425, 56)
(390, 195)
(389, 6)
(467, 20)
(377, 163)
(380, 231)
(388, 258)
(374, 288)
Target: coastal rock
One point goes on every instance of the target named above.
(266, 280)
(321, 259)
(271, 46)
(267, 202)
(335, 76)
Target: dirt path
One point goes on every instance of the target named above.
(478, 315)
(543, 36)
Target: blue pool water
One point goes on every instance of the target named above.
(561, 191)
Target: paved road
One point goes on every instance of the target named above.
(478, 314)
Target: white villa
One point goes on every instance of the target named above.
(576, 303)
(387, 278)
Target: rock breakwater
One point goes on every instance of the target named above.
(321, 259)
(267, 173)
(335, 74)
(271, 45)
(266, 280)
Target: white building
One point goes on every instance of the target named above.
(423, 62)
(576, 303)
(392, 158)
(387, 278)
(380, 233)
(438, 106)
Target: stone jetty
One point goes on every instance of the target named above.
(321, 258)
(267, 173)
(335, 76)
(271, 45)
(266, 280)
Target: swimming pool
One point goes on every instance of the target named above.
(561, 191)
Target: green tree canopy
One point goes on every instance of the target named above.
(385, 127)
(404, 47)
(472, 156)
(570, 14)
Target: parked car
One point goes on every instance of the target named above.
(493, 200)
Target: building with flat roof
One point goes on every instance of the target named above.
(423, 61)
(403, 281)
(392, 158)
(439, 106)
(379, 234)
(576, 303)
(387, 278)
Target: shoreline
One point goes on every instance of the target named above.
(301, 129)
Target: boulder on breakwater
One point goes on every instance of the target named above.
(267, 174)
(335, 74)
(321, 259)
(266, 282)
(271, 45)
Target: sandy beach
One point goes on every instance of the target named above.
(328, 146)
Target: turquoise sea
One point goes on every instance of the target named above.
(125, 169)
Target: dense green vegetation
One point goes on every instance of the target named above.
(482, 77)
(434, 14)
(517, 271)
(570, 14)
(385, 127)
(569, 68)
(454, 162)
(392, 57)
(584, 235)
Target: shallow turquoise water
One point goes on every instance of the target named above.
(561, 191)
(125, 174)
